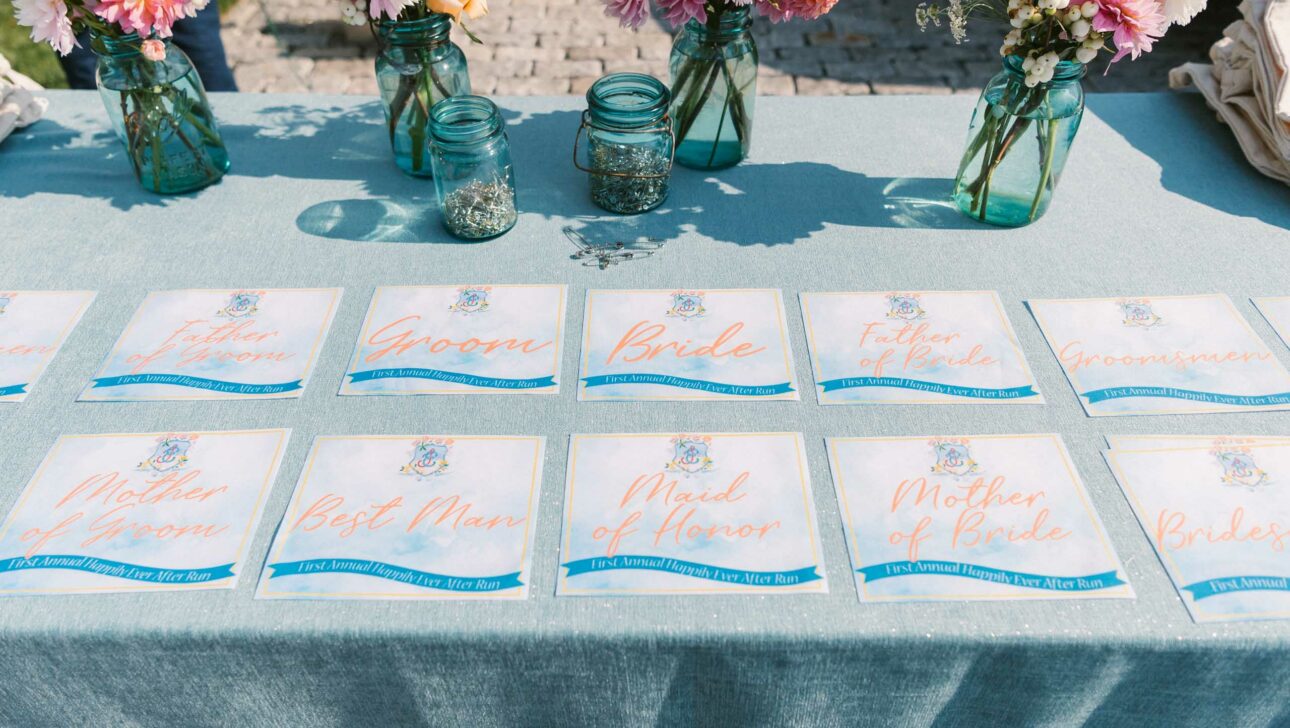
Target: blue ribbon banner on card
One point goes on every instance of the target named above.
(455, 377)
(119, 569)
(1242, 400)
(183, 380)
(831, 385)
(690, 568)
(667, 380)
(404, 575)
(929, 567)
(1226, 585)
(13, 389)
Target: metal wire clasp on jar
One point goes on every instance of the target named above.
(630, 142)
(473, 174)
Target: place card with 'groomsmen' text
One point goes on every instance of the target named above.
(33, 325)
(1218, 516)
(686, 345)
(217, 344)
(980, 517)
(929, 347)
(494, 339)
(139, 512)
(689, 513)
(1162, 355)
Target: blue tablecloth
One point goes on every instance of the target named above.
(838, 195)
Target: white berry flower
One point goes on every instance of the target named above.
(1084, 54)
(1089, 9)
(1080, 29)
(1028, 64)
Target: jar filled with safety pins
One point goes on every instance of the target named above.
(630, 146)
(471, 160)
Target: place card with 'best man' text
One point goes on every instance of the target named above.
(139, 512)
(498, 339)
(1162, 355)
(980, 517)
(689, 514)
(33, 325)
(217, 344)
(686, 345)
(403, 517)
(929, 347)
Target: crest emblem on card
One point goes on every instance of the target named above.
(905, 307)
(5, 298)
(429, 458)
(241, 304)
(953, 457)
(171, 453)
(687, 305)
(471, 300)
(691, 454)
(1239, 467)
(1138, 313)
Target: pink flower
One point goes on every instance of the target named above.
(145, 17)
(680, 12)
(780, 10)
(1135, 25)
(153, 49)
(49, 23)
(388, 8)
(630, 13)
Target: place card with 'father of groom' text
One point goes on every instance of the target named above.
(979, 517)
(217, 344)
(139, 512)
(498, 339)
(1162, 355)
(686, 345)
(929, 347)
(403, 517)
(716, 513)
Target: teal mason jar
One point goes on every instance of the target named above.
(417, 67)
(1018, 142)
(629, 142)
(473, 175)
(714, 87)
(160, 112)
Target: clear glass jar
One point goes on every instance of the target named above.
(161, 114)
(629, 142)
(714, 88)
(418, 67)
(1017, 144)
(473, 175)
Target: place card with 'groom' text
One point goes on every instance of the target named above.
(716, 513)
(139, 512)
(404, 517)
(980, 517)
(501, 339)
(33, 325)
(217, 344)
(1162, 355)
(686, 345)
(929, 347)
(1218, 516)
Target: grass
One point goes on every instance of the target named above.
(38, 60)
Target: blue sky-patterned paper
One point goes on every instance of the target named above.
(1276, 309)
(33, 325)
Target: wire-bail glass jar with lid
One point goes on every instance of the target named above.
(473, 175)
(630, 145)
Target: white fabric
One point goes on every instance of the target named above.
(18, 106)
(1248, 84)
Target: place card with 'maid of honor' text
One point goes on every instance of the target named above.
(1218, 516)
(930, 347)
(689, 514)
(33, 325)
(499, 339)
(404, 517)
(139, 512)
(1162, 355)
(1276, 309)
(686, 345)
(217, 344)
(981, 517)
